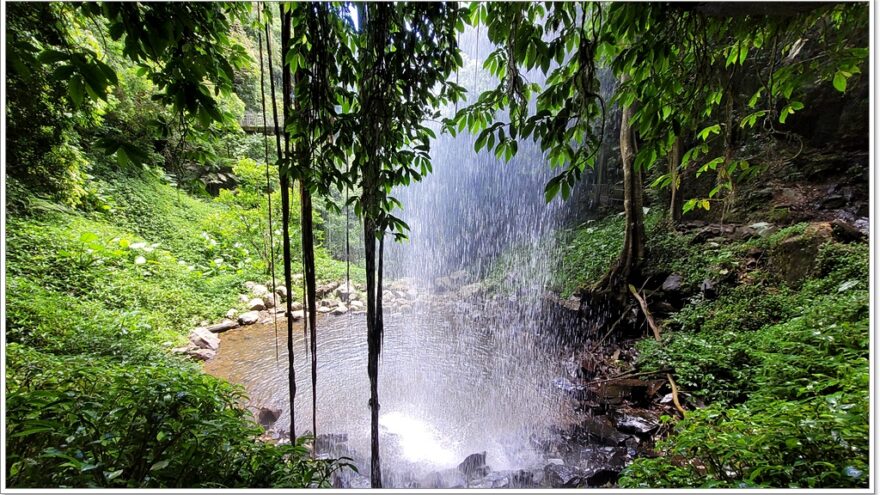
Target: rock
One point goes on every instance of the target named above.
(794, 259)
(249, 285)
(412, 293)
(614, 392)
(568, 387)
(256, 304)
(231, 314)
(324, 310)
(202, 354)
(448, 478)
(204, 339)
(844, 232)
(474, 465)
(459, 277)
(296, 306)
(259, 290)
(346, 292)
(222, 326)
(249, 318)
(494, 479)
(638, 421)
(762, 228)
(470, 290)
(672, 283)
(602, 465)
(404, 308)
(281, 291)
(243, 298)
(601, 429)
(298, 315)
(443, 284)
(562, 476)
(707, 288)
(357, 305)
(269, 300)
(267, 416)
(323, 290)
(834, 201)
(340, 310)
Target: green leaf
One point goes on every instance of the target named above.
(159, 465)
(839, 81)
(76, 91)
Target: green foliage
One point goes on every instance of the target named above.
(85, 422)
(786, 373)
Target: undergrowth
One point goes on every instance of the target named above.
(96, 298)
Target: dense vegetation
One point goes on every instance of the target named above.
(137, 208)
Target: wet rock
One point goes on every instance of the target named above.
(249, 318)
(324, 310)
(834, 201)
(296, 306)
(448, 478)
(474, 465)
(568, 387)
(222, 326)
(256, 304)
(298, 315)
(638, 421)
(340, 310)
(267, 416)
(459, 277)
(562, 476)
(470, 290)
(204, 339)
(357, 305)
(494, 479)
(601, 429)
(614, 392)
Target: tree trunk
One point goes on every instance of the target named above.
(675, 202)
(626, 268)
(285, 212)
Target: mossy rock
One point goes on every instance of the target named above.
(794, 258)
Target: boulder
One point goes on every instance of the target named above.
(470, 290)
(298, 315)
(601, 429)
(269, 300)
(281, 291)
(673, 283)
(844, 232)
(222, 326)
(323, 290)
(614, 392)
(324, 309)
(346, 292)
(204, 339)
(357, 305)
(202, 354)
(267, 416)
(707, 288)
(474, 465)
(340, 310)
(231, 314)
(243, 298)
(256, 304)
(562, 476)
(259, 290)
(794, 259)
(495, 479)
(249, 318)
(448, 478)
(296, 306)
(638, 421)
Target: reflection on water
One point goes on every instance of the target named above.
(447, 388)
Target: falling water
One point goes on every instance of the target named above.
(465, 367)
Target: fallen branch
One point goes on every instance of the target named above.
(647, 313)
(675, 394)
